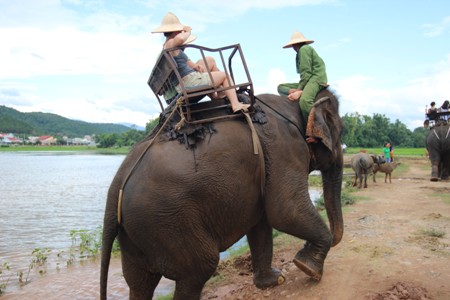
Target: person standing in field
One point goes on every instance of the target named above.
(387, 152)
(391, 152)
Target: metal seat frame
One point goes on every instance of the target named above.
(165, 77)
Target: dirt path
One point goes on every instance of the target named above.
(388, 251)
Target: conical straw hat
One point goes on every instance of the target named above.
(190, 39)
(298, 38)
(170, 23)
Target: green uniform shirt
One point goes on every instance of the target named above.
(310, 67)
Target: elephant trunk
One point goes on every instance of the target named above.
(332, 185)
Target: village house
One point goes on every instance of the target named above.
(47, 140)
(44, 140)
(9, 139)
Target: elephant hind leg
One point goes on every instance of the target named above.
(194, 272)
(261, 246)
(142, 283)
(188, 289)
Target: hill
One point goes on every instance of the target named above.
(38, 123)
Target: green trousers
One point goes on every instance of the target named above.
(307, 98)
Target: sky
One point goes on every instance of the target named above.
(90, 60)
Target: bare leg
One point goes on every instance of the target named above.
(209, 65)
(219, 78)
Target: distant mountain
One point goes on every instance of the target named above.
(38, 123)
(133, 126)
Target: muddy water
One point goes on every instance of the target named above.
(43, 197)
(81, 282)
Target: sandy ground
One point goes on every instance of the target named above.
(389, 249)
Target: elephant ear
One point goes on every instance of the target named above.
(324, 123)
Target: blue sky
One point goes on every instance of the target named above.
(90, 59)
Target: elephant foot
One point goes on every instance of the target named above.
(311, 264)
(434, 179)
(269, 279)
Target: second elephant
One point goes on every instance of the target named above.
(362, 164)
(438, 147)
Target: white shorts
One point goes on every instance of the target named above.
(195, 79)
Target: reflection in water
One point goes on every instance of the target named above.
(43, 197)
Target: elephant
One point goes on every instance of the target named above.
(181, 198)
(438, 147)
(362, 164)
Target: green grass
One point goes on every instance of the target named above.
(397, 151)
(165, 297)
(433, 232)
(86, 149)
(445, 197)
(400, 170)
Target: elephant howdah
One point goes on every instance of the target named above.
(183, 205)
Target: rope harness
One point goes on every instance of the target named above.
(257, 150)
(437, 136)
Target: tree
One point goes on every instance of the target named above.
(107, 140)
(131, 137)
(371, 132)
(150, 125)
(419, 137)
(400, 135)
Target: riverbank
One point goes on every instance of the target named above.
(84, 149)
(404, 152)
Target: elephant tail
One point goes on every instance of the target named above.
(110, 232)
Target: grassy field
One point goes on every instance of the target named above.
(122, 150)
(397, 151)
(125, 150)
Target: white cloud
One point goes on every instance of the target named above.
(363, 94)
(35, 52)
(434, 30)
(218, 11)
(339, 43)
(274, 78)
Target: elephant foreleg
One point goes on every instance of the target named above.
(434, 170)
(261, 247)
(301, 219)
(311, 258)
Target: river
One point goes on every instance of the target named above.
(43, 196)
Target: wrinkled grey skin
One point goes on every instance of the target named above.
(438, 147)
(362, 164)
(181, 208)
